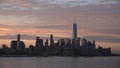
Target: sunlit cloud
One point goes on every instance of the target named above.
(96, 19)
(72, 3)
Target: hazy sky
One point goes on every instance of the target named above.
(96, 19)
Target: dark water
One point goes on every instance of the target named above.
(60, 62)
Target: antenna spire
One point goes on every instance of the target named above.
(74, 19)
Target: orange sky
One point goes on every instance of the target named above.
(96, 20)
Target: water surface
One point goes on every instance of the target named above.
(59, 62)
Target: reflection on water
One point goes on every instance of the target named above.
(59, 62)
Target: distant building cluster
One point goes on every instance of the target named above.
(63, 47)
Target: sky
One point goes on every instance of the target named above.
(96, 20)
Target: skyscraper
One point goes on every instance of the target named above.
(18, 37)
(39, 42)
(39, 46)
(75, 38)
(18, 41)
(20, 44)
(14, 44)
(74, 30)
(51, 40)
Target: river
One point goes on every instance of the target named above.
(59, 62)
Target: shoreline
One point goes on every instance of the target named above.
(113, 55)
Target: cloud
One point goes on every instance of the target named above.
(97, 19)
(81, 2)
(28, 37)
(16, 21)
(109, 39)
(49, 17)
(76, 2)
(104, 39)
(39, 4)
(67, 27)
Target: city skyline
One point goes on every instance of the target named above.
(72, 46)
(97, 20)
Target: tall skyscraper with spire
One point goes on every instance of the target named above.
(74, 29)
(75, 38)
